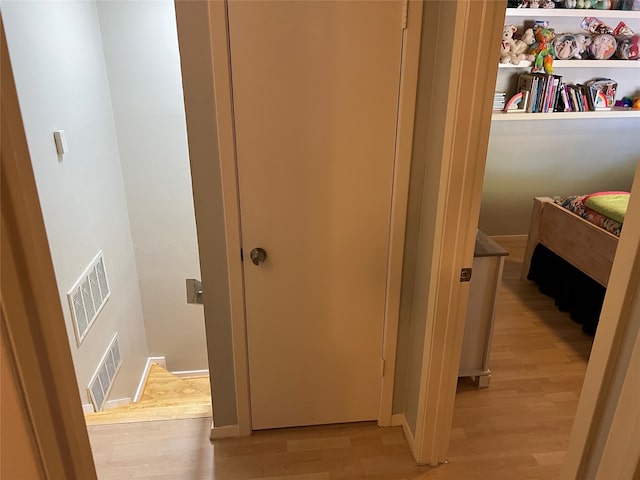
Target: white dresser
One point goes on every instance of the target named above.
(485, 281)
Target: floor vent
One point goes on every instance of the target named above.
(102, 379)
(88, 296)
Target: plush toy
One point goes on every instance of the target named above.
(583, 42)
(508, 44)
(601, 4)
(583, 4)
(627, 5)
(528, 4)
(522, 47)
(542, 49)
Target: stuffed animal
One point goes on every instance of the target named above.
(567, 46)
(508, 44)
(627, 5)
(601, 4)
(528, 4)
(583, 4)
(583, 42)
(542, 49)
(522, 47)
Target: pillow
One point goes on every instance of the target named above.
(611, 204)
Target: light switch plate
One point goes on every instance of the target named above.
(61, 142)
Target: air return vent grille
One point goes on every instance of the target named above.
(102, 379)
(88, 296)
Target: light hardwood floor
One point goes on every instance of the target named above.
(165, 397)
(517, 428)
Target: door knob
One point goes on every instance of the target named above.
(258, 255)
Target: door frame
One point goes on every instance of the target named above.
(218, 25)
(32, 322)
(461, 95)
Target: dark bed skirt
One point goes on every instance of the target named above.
(573, 291)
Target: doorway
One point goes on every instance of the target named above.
(122, 186)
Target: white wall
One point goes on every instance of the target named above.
(143, 65)
(547, 158)
(61, 79)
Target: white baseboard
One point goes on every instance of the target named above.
(227, 431)
(396, 419)
(145, 373)
(87, 408)
(521, 238)
(191, 373)
(117, 402)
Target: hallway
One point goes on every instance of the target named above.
(518, 428)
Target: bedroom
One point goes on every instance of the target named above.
(547, 157)
(559, 154)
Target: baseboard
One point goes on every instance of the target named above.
(510, 238)
(408, 434)
(145, 373)
(118, 402)
(226, 431)
(396, 419)
(191, 373)
(87, 408)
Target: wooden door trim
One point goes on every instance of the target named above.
(466, 93)
(228, 164)
(399, 203)
(221, 58)
(32, 317)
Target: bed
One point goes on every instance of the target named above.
(570, 259)
(584, 245)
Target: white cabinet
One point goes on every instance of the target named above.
(488, 260)
(625, 72)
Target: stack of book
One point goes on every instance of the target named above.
(499, 100)
(542, 92)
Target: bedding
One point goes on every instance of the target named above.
(576, 204)
(610, 204)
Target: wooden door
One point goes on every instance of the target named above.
(315, 92)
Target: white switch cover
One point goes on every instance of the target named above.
(61, 142)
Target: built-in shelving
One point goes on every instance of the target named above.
(571, 12)
(575, 71)
(582, 64)
(614, 113)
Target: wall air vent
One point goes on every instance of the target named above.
(88, 296)
(102, 379)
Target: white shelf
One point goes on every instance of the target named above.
(615, 113)
(581, 64)
(571, 12)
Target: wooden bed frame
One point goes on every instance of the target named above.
(584, 245)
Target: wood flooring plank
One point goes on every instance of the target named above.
(517, 429)
(318, 444)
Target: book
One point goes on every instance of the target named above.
(526, 84)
